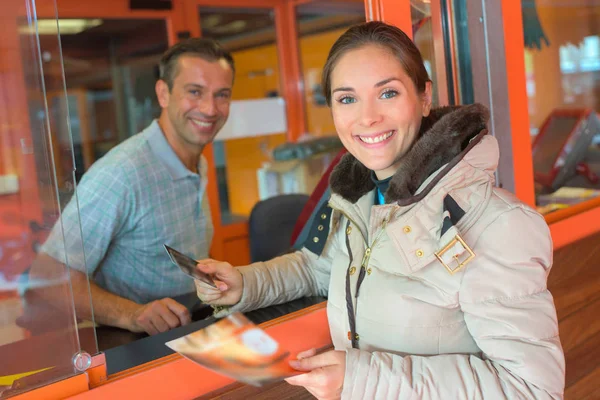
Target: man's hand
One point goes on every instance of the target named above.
(325, 377)
(228, 279)
(159, 316)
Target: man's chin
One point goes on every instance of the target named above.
(202, 142)
(194, 137)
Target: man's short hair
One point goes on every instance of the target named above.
(207, 49)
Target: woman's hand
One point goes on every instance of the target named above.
(325, 377)
(228, 279)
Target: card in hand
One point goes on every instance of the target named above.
(188, 266)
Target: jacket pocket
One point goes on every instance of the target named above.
(414, 243)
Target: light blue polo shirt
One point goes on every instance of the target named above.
(133, 200)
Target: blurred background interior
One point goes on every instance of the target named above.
(74, 87)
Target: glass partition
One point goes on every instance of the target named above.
(110, 68)
(562, 67)
(44, 335)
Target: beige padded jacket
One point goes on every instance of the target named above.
(416, 325)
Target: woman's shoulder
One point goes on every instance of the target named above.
(507, 221)
(507, 216)
(513, 248)
(502, 201)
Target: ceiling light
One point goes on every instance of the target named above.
(66, 26)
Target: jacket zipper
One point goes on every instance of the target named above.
(351, 220)
(352, 311)
(367, 256)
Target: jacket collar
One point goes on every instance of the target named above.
(445, 136)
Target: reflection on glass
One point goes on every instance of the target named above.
(40, 333)
(459, 44)
(562, 67)
(420, 11)
(320, 24)
(550, 144)
(256, 122)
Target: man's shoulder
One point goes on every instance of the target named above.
(120, 168)
(132, 150)
(126, 157)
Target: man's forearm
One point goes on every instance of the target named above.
(109, 309)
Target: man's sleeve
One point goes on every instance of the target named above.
(95, 215)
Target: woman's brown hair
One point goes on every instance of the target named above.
(383, 35)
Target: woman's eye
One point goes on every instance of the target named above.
(347, 100)
(388, 94)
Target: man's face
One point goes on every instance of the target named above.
(197, 105)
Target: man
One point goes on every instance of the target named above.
(148, 191)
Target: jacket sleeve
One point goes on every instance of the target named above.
(285, 278)
(511, 316)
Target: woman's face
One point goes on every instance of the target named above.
(376, 108)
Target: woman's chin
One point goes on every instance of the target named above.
(382, 171)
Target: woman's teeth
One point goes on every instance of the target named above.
(376, 139)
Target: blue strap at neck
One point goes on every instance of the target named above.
(380, 197)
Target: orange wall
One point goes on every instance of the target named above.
(313, 54)
(244, 156)
(250, 80)
(257, 73)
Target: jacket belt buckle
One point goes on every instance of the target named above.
(458, 247)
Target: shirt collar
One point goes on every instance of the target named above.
(382, 184)
(382, 187)
(165, 153)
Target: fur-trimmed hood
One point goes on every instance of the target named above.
(445, 136)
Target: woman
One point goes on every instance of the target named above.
(436, 280)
